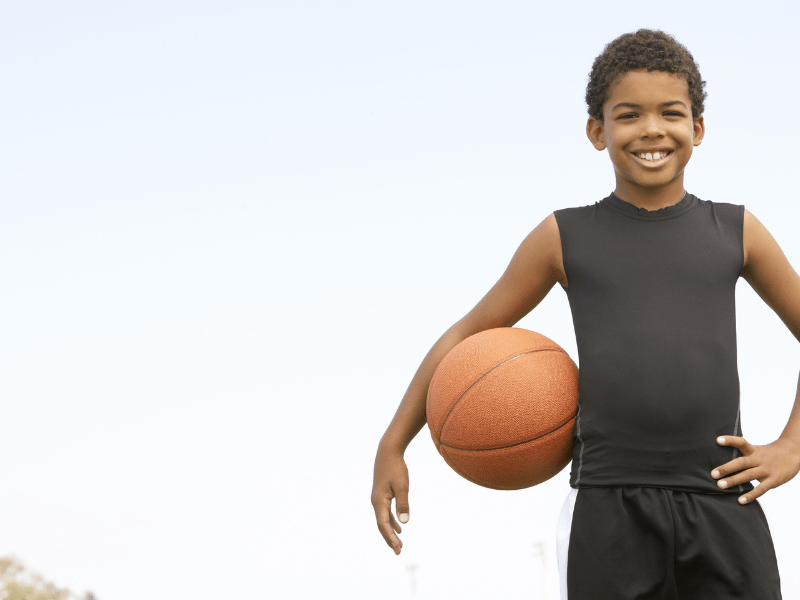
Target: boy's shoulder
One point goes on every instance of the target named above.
(575, 212)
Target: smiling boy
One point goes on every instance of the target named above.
(661, 505)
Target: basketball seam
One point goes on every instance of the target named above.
(474, 383)
(544, 435)
(480, 481)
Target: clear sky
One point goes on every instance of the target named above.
(230, 231)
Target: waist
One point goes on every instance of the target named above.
(680, 462)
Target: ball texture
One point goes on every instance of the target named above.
(501, 408)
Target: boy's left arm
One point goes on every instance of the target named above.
(769, 273)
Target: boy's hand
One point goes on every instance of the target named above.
(390, 480)
(772, 465)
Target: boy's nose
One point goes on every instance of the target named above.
(652, 127)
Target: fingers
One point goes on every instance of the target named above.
(757, 491)
(737, 464)
(395, 525)
(737, 442)
(386, 523)
(401, 503)
(734, 466)
(743, 477)
(390, 482)
(744, 469)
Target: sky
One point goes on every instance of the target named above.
(230, 232)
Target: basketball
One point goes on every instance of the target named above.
(501, 408)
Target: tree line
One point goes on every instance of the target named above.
(19, 583)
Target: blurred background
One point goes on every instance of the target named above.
(230, 232)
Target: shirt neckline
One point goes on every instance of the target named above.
(668, 212)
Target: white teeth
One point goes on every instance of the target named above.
(652, 155)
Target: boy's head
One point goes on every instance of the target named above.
(645, 99)
(645, 50)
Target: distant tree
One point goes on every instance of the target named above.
(17, 583)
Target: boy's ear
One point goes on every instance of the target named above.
(699, 127)
(595, 133)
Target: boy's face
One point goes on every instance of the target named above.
(649, 132)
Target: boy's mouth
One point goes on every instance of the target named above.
(652, 157)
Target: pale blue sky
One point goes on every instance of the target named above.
(229, 233)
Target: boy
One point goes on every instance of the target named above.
(661, 505)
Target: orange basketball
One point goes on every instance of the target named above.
(502, 406)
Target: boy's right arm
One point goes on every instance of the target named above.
(534, 269)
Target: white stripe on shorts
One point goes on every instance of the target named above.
(562, 538)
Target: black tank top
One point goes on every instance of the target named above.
(652, 295)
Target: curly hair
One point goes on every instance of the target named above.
(644, 50)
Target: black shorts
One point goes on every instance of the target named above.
(658, 544)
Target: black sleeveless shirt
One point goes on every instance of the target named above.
(652, 295)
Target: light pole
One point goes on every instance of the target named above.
(538, 550)
(411, 569)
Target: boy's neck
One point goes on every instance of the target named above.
(650, 198)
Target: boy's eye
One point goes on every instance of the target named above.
(634, 115)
